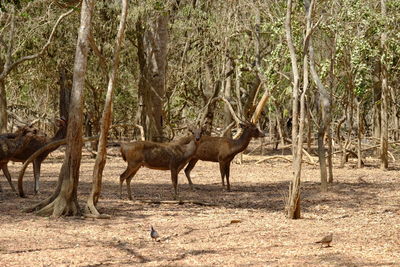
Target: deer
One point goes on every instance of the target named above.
(35, 143)
(160, 156)
(12, 144)
(222, 150)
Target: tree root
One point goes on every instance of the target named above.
(289, 159)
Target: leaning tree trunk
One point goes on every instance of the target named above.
(106, 119)
(64, 200)
(152, 54)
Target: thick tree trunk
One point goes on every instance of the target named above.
(64, 200)
(152, 53)
(106, 119)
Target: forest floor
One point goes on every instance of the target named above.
(245, 227)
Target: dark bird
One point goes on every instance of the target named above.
(326, 240)
(153, 233)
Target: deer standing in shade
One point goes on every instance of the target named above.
(11, 144)
(35, 143)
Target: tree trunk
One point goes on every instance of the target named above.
(65, 92)
(152, 53)
(377, 94)
(210, 91)
(3, 103)
(293, 204)
(323, 107)
(106, 119)
(359, 135)
(385, 96)
(227, 95)
(64, 200)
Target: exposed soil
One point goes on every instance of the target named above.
(244, 227)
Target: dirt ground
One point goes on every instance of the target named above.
(245, 227)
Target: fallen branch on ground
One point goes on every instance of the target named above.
(179, 202)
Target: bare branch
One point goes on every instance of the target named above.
(10, 66)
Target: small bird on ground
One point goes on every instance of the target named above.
(153, 233)
(326, 240)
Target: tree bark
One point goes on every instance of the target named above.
(3, 102)
(324, 115)
(227, 95)
(359, 135)
(65, 92)
(384, 96)
(64, 200)
(152, 54)
(106, 118)
(293, 205)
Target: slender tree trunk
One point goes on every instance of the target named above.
(210, 91)
(3, 103)
(359, 135)
(309, 131)
(64, 200)
(237, 89)
(65, 92)
(106, 118)
(385, 96)
(293, 206)
(324, 115)
(227, 95)
(377, 95)
(395, 118)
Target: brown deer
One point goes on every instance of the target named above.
(35, 143)
(159, 156)
(222, 150)
(11, 144)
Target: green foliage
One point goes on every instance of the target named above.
(206, 34)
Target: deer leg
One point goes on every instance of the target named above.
(8, 176)
(188, 169)
(36, 174)
(174, 178)
(222, 171)
(227, 171)
(127, 175)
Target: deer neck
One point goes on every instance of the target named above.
(242, 142)
(189, 149)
